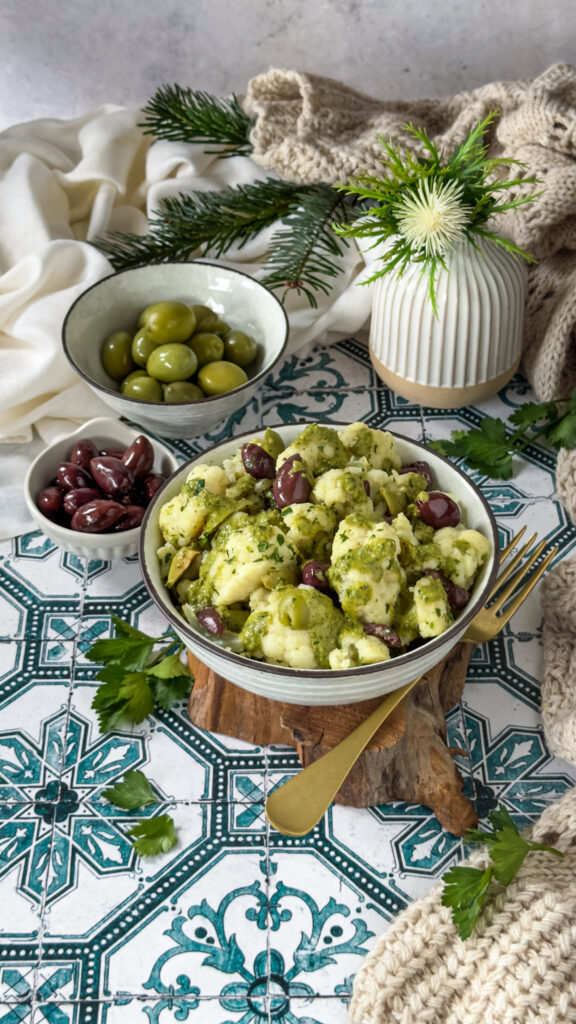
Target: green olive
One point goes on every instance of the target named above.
(207, 347)
(167, 322)
(206, 318)
(217, 378)
(135, 373)
(273, 443)
(221, 328)
(144, 388)
(240, 348)
(183, 391)
(117, 355)
(172, 362)
(142, 347)
(294, 611)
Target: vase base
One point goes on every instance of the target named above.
(442, 398)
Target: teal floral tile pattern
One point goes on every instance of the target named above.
(237, 924)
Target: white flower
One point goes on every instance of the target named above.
(433, 217)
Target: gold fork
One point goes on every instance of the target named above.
(299, 804)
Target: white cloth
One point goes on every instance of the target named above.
(64, 184)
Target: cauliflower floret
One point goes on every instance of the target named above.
(295, 626)
(320, 449)
(249, 554)
(165, 555)
(358, 649)
(214, 477)
(193, 511)
(431, 605)
(342, 490)
(359, 529)
(310, 528)
(368, 581)
(376, 445)
(463, 553)
(403, 529)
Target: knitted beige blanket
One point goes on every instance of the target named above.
(315, 129)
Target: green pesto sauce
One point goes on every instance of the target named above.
(362, 443)
(255, 627)
(321, 448)
(431, 591)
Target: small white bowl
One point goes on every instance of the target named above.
(106, 433)
(115, 303)
(321, 686)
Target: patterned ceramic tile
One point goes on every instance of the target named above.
(236, 923)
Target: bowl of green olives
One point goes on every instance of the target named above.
(89, 491)
(175, 347)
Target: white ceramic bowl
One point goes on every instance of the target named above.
(321, 686)
(115, 303)
(105, 433)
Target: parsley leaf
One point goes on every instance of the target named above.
(466, 888)
(134, 791)
(486, 448)
(135, 678)
(154, 835)
(490, 447)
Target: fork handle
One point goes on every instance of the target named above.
(300, 803)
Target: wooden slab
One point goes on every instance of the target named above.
(406, 760)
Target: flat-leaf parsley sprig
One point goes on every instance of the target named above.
(151, 835)
(136, 676)
(466, 889)
(428, 201)
(490, 447)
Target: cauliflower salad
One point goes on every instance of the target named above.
(325, 554)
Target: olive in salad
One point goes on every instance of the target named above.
(328, 553)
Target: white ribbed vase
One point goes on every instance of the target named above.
(472, 348)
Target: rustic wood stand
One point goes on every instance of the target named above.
(406, 760)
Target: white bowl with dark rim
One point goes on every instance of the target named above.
(115, 303)
(105, 433)
(321, 686)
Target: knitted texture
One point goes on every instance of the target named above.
(311, 129)
(558, 689)
(517, 967)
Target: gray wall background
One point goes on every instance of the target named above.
(61, 58)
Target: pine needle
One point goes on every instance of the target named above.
(188, 115)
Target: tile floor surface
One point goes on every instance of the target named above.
(237, 923)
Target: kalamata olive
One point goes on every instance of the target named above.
(150, 484)
(438, 510)
(70, 476)
(211, 620)
(385, 633)
(458, 597)
(139, 457)
(133, 516)
(82, 452)
(49, 501)
(257, 462)
(366, 486)
(111, 474)
(97, 516)
(314, 574)
(115, 453)
(78, 496)
(419, 467)
(291, 485)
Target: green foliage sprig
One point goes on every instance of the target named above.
(490, 447)
(136, 677)
(466, 889)
(301, 251)
(151, 835)
(423, 202)
(186, 115)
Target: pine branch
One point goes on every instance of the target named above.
(188, 115)
(303, 251)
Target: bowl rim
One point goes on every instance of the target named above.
(97, 422)
(163, 405)
(182, 626)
